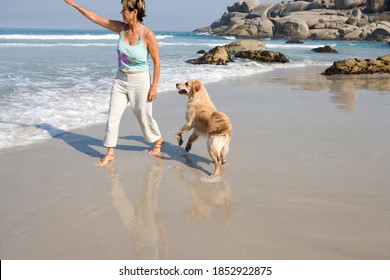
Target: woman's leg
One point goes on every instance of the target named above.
(144, 112)
(118, 102)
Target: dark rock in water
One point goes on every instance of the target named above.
(360, 66)
(201, 52)
(216, 56)
(294, 42)
(326, 49)
(263, 56)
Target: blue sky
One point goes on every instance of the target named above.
(163, 15)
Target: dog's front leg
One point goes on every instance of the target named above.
(194, 136)
(179, 137)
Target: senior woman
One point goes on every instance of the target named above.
(132, 83)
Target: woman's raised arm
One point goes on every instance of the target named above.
(112, 25)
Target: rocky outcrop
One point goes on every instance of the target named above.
(311, 19)
(246, 49)
(360, 66)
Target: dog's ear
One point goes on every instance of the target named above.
(196, 86)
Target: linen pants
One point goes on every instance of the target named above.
(133, 89)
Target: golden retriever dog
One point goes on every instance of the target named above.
(203, 117)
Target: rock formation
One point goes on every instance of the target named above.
(314, 19)
(360, 66)
(263, 56)
(247, 49)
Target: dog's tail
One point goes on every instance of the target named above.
(220, 132)
(218, 146)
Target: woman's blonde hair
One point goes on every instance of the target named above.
(138, 5)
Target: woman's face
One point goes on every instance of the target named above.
(128, 15)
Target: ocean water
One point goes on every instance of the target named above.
(53, 81)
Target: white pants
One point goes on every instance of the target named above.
(133, 89)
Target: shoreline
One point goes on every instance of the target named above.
(276, 76)
(306, 178)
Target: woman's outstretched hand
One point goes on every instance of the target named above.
(70, 2)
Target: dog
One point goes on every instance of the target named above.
(205, 119)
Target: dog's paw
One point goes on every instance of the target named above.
(179, 140)
(188, 147)
(214, 178)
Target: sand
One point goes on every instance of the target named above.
(307, 178)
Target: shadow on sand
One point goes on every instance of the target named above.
(87, 145)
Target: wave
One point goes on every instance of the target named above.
(22, 45)
(162, 37)
(292, 46)
(210, 34)
(58, 37)
(49, 37)
(188, 44)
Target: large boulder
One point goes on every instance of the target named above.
(262, 10)
(245, 45)
(360, 66)
(229, 19)
(260, 28)
(379, 31)
(216, 56)
(294, 7)
(348, 4)
(244, 6)
(250, 5)
(275, 10)
(378, 6)
(291, 28)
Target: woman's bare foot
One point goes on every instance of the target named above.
(106, 159)
(157, 147)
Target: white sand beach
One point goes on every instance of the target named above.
(307, 177)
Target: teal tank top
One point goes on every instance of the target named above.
(132, 58)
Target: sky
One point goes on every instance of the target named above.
(162, 15)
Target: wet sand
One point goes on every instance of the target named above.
(307, 178)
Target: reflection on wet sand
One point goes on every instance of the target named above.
(142, 221)
(345, 88)
(206, 196)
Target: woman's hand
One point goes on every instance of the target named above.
(152, 93)
(70, 2)
(112, 25)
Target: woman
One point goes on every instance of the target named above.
(132, 83)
